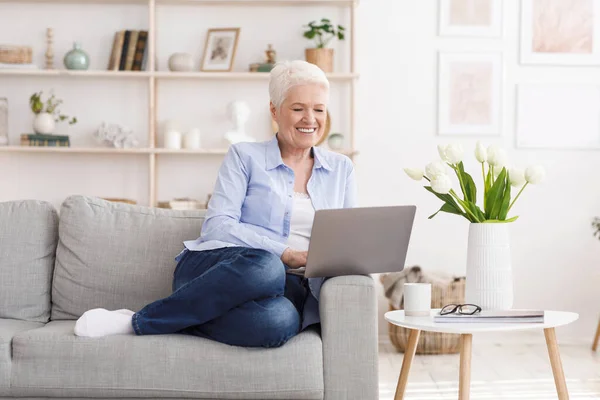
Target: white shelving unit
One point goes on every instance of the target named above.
(153, 77)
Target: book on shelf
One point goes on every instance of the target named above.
(140, 49)
(494, 316)
(18, 66)
(43, 140)
(128, 50)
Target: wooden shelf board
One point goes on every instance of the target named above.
(159, 75)
(110, 150)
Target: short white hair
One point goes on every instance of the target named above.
(287, 74)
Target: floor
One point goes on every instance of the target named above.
(515, 368)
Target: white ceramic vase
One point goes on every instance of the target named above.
(489, 271)
(181, 62)
(44, 123)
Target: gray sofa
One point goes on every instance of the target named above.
(114, 255)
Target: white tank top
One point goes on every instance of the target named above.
(303, 214)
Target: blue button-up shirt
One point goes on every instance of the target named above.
(252, 201)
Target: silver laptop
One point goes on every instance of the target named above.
(359, 241)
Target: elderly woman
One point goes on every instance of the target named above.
(239, 282)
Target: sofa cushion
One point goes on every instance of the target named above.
(8, 329)
(52, 361)
(116, 255)
(28, 237)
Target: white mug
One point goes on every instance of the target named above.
(417, 299)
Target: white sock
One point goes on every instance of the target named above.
(101, 322)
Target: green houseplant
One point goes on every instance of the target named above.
(322, 33)
(47, 113)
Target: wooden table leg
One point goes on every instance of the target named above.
(595, 345)
(464, 383)
(409, 354)
(557, 369)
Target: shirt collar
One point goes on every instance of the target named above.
(273, 156)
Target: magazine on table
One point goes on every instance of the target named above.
(488, 316)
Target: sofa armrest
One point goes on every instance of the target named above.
(348, 310)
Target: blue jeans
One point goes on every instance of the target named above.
(234, 295)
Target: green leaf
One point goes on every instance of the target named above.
(497, 221)
(471, 189)
(341, 28)
(446, 198)
(505, 200)
(446, 208)
(309, 34)
(325, 20)
(487, 191)
(496, 195)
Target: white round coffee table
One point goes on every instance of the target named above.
(552, 319)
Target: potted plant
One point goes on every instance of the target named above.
(489, 273)
(322, 33)
(47, 113)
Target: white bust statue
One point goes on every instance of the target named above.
(238, 113)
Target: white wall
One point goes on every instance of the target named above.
(555, 257)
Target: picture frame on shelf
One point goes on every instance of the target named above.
(558, 116)
(469, 93)
(560, 32)
(470, 18)
(220, 49)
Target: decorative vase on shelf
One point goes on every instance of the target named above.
(489, 281)
(336, 141)
(44, 123)
(322, 58)
(77, 59)
(181, 62)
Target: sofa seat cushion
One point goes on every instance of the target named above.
(8, 329)
(52, 361)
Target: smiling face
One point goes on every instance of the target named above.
(302, 116)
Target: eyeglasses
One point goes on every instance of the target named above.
(464, 309)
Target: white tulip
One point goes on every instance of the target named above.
(480, 152)
(442, 151)
(496, 156)
(535, 174)
(435, 168)
(516, 177)
(454, 153)
(441, 184)
(414, 173)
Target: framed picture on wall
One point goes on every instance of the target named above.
(558, 116)
(219, 50)
(476, 18)
(469, 93)
(560, 32)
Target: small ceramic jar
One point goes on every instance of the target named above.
(181, 62)
(173, 140)
(192, 139)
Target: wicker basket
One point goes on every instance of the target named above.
(15, 54)
(433, 342)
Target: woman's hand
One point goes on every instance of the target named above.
(294, 258)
